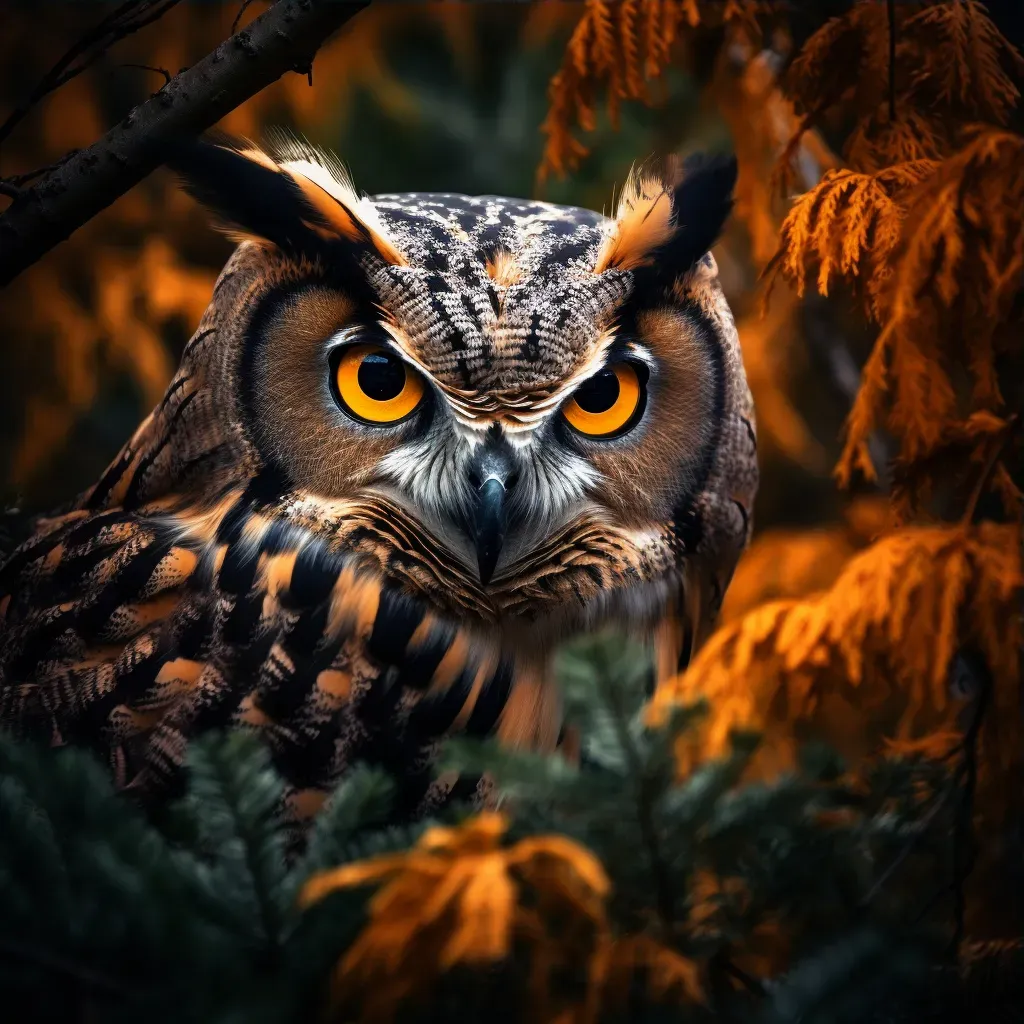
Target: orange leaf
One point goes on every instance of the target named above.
(870, 657)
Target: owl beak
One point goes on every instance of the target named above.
(492, 474)
(491, 523)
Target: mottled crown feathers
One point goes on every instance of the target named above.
(301, 200)
(665, 223)
(296, 198)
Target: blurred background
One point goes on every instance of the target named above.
(421, 96)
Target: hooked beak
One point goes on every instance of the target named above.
(491, 522)
(492, 472)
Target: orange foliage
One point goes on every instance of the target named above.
(745, 88)
(932, 235)
(455, 898)
(670, 977)
(849, 224)
(869, 658)
(965, 61)
(140, 292)
(955, 272)
(459, 897)
(976, 444)
(952, 63)
(621, 45)
(787, 563)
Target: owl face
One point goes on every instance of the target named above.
(530, 416)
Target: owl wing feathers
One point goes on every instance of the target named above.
(122, 635)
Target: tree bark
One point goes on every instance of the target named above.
(284, 38)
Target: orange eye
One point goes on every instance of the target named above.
(375, 386)
(607, 403)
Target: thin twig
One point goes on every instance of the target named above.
(998, 444)
(24, 179)
(238, 17)
(966, 773)
(149, 67)
(125, 20)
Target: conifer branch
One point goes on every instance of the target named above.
(666, 903)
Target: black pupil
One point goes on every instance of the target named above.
(381, 376)
(600, 393)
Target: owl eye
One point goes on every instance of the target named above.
(374, 386)
(608, 403)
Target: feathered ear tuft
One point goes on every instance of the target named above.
(300, 201)
(664, 225)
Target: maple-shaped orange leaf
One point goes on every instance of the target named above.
(457, 897)
(869, 658)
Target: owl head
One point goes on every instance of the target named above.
(533, 418)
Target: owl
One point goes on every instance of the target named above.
(416, 442)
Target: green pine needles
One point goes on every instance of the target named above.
(815, 897)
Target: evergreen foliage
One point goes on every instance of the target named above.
(816, 897)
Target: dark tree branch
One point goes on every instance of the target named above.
(284, 37)
(125, 20)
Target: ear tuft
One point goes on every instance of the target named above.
(243, 188)
(701, 204)
(664, 225)
(300, 204)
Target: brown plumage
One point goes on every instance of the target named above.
(414, 443)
